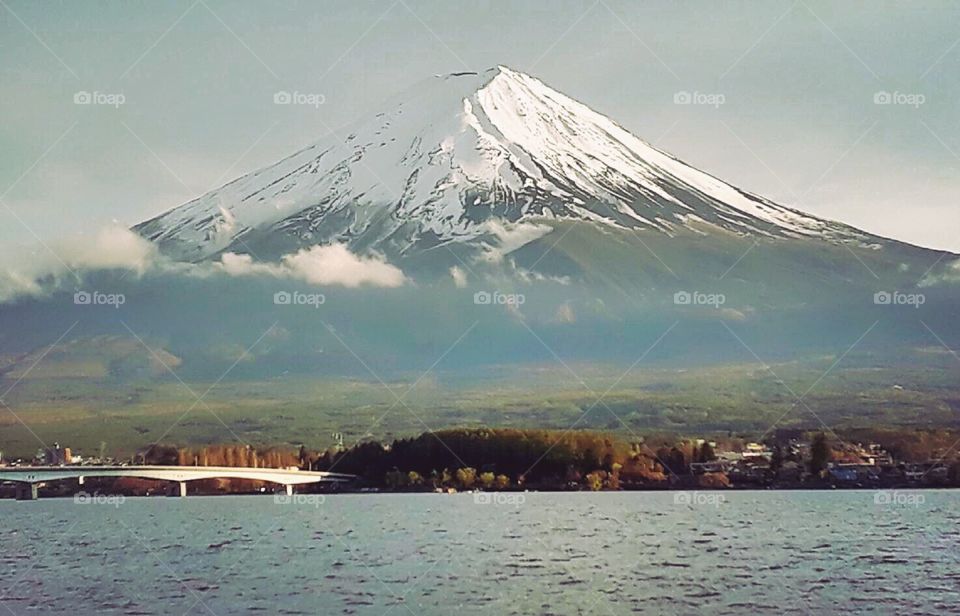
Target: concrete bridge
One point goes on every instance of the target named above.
(28, 478)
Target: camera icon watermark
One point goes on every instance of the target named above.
(896, 298)
(310, 99)
(697, 298)
(499, 499)
(906, 99)
(107, 99)
(899, 498)
(97, 298)
(709, 99)
(303, 500)
(699, 499)
(295, 298)
(85, 498)
(496, 298)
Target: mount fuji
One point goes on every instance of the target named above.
(473, 187)
(459, 156)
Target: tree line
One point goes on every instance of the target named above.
(501, 458)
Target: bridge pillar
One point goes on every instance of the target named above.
(80, 480)
(289, 488)
(183, 488)
(27, 491)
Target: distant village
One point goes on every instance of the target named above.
(798, 464)
(801, 461)
(56, 455)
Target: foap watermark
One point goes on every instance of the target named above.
(303, 500)
(896, 298)
(496, 298)
(709, 99)
(905, 99)
(499, 499)
(699, 499)
(98, 298)
(310, 99)
(106, 99)
(899, 498)
(85, 498)
(697, 298)
(296, 298)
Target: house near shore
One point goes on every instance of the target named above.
(756, 450)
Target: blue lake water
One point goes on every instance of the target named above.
(537, 553)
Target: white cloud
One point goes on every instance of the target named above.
(565, 314)
(321, 265)
(530, 276)
(336, 265)
(510, 237)
(459, 276)
(244, 265)
(111, 247)
(949, 274)
(41, 270)
(733, 314)
(14, 284)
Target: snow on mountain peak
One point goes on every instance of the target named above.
(454, 152)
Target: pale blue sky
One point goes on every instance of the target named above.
(798, 124)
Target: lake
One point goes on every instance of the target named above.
(531, 553)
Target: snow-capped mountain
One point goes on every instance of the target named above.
(456, 152)
(426, 224)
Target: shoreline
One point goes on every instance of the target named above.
(674, 490)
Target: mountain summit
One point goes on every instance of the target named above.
(455, 154)
(489, 203)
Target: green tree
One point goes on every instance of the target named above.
(613, 479)
(502, 482)
(595, 480)
(953, 473)
(466, 477)
(414, 478)
(395, 479)
(706, 453)
(487, 479)
(819, 453)
(776, 460)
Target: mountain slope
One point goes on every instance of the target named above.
(455, 153)
(92, 357)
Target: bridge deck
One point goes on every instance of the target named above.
(37, 474)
